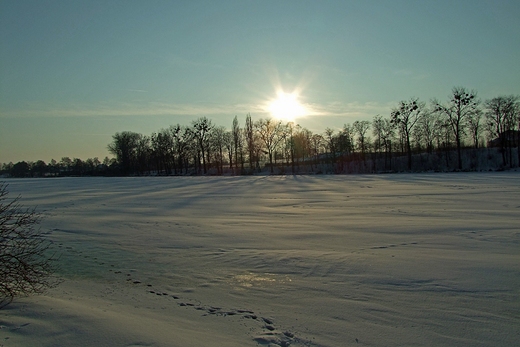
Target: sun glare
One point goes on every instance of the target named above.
(286, 107)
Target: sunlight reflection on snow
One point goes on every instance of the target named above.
(254, 280)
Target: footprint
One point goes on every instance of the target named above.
(268, 332)
(267, 320)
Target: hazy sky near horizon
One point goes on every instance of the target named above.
(73, 73)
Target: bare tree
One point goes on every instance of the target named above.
(236, 140)
(182, 137)
(474, 127)
(331, 144)
(26, 262)
(346, 139)
(229, 144)
(404, 117)
(383, 130)
(461, 106)
(250, 140)
(143, 153)
(502, 116)
(317, 142)
(377, 130)
(361, 128)
(304, 144)
(218, 142)
(345, 145)
(288, 134)
(201, 132)
(162, 150)
(271, 133)
(427, 130)
(387, 136)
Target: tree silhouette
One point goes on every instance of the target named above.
(218, 143)
(383, 132)
(474, 126)
(317, 142)
(461, 106)
(427, 130)
(361, 128)
(345, 144)
(201, 130)
(181, 143)
(124, 146)
(270, 132)
(162, 150)
(237, 143)
(331, 144)
(230, 147)
(404, 117)
(250, 140)
(503, 113)
(20, 169)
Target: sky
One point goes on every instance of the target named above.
(73, 73)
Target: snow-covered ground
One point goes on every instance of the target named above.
(383, 260)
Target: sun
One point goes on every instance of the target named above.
(286, 107)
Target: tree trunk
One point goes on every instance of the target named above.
(459, 153)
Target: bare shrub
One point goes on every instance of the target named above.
(26, 263)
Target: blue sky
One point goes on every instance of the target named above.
(72, 73)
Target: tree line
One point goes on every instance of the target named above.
(65, 167)
(461, 133)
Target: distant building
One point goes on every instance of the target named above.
(508, 138)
